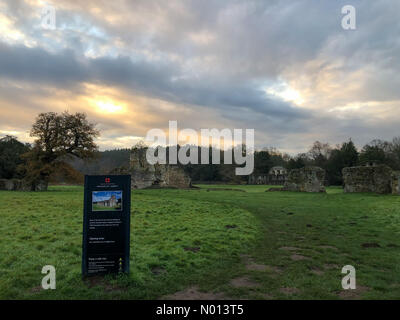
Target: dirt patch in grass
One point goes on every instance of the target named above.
(193, 293)
(317, 271)
(330, 266)
(289, 291)
(94, 281)
(112, 288)
(158, 270)
(100, 281)
(36, 289)
(298, 257)
(353, 294)
(244, 282)
(278, 269)
(266, 296)
(257, 267)
(233, 226)
(253, 266)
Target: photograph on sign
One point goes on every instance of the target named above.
(106, 200)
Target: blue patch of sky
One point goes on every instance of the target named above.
(105, 195)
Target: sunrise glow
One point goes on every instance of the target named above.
(108, 107)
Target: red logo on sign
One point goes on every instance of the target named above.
(108, 180)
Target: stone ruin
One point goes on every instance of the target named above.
(22, 185)
(377, 178)
(396, 182)
(145, 175)
(276, 176)
(307, 179)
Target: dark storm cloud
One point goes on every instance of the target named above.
(37, 65)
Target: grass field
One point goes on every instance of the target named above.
(97, 207)
(213, 242)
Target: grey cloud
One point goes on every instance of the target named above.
(64, 69)
(37, 65)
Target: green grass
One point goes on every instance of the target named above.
(38, 229)
(97, 207)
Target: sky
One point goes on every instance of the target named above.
(286, 69)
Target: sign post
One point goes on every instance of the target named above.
(106, 224)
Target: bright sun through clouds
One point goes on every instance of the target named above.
(285, 92)
(109, 107)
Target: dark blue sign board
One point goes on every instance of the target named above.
(106, 224)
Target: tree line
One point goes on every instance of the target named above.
(64, 150)
(334, 159)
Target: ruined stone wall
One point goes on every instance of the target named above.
(271, 179)
(7, 184)
(396, 182)
(145, 175)
(277, 179)
(377, 179)
(173, 176)
(22, 185)
(257, 179)
(307, 179)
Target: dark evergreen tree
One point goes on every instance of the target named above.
(11, 151)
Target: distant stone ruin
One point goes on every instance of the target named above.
(377, 178)
(22, 185)
(307, 179)
(145, 175)
(396, 182)
(112, 202)
(276, 176)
